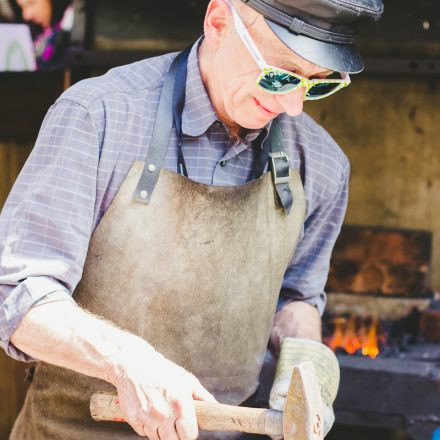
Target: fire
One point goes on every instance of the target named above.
(370, 348)
(352, 337)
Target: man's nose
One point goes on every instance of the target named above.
(292, 102)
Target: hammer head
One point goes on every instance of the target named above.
(303, 411)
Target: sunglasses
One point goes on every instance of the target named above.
(280, 81)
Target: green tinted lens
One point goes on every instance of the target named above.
(278, 82)
(322, 89)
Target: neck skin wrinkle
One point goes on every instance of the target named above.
(207, 58)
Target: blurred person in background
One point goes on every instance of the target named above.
(51, 22)
(6, 13)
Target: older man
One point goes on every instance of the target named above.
(164, 208)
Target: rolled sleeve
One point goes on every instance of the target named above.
(18, 300)
(47, 221)
(307, 274)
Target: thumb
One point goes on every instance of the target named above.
(201, 393)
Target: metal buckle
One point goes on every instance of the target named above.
(279, 155)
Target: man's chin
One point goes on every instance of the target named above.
(255, 124)
(256, 127)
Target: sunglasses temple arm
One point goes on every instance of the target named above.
(246, 38)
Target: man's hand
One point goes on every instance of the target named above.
(296, 319)
(295, 351)
(157, 395)
(300, 323)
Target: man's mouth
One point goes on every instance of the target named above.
(264, 109)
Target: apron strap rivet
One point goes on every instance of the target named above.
(143, 194)
(151, 168)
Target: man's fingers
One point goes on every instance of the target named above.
(184, 432)
(150, 426)
(161, 405)
(159, 409)
(186, 420)
(153, 413)
(131, 409)
(145, 425)
(152, 432)
(167, 431)
(201, 393)
(139, 429)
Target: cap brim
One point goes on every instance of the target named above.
(337, 57)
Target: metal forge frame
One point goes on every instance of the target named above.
(395, 392)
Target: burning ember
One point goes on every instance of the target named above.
(356, 335)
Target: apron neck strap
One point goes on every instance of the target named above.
(162, 128)
(179, 95)
(172, 102)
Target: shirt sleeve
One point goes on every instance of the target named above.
(46, 223)
(307, 274)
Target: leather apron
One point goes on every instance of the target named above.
(196, 272)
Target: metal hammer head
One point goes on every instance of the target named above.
(303, 417)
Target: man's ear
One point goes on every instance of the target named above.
(216, 20)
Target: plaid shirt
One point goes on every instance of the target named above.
(87, 143)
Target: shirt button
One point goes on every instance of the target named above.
(223, 163)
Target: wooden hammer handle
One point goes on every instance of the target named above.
(210, 416)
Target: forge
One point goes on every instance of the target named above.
(383, 322)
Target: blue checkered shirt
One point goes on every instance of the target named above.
(87, 143)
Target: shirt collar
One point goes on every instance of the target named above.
(198, 113)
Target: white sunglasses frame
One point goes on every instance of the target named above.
(267, 68)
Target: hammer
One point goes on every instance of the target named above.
(302, 418)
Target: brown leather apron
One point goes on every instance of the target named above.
(196, 272)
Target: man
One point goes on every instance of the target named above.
(185, 272)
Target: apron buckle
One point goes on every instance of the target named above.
(281, 171)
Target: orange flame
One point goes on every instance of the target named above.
(370, 348)
(352, 339)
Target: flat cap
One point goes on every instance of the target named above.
(320, 31)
